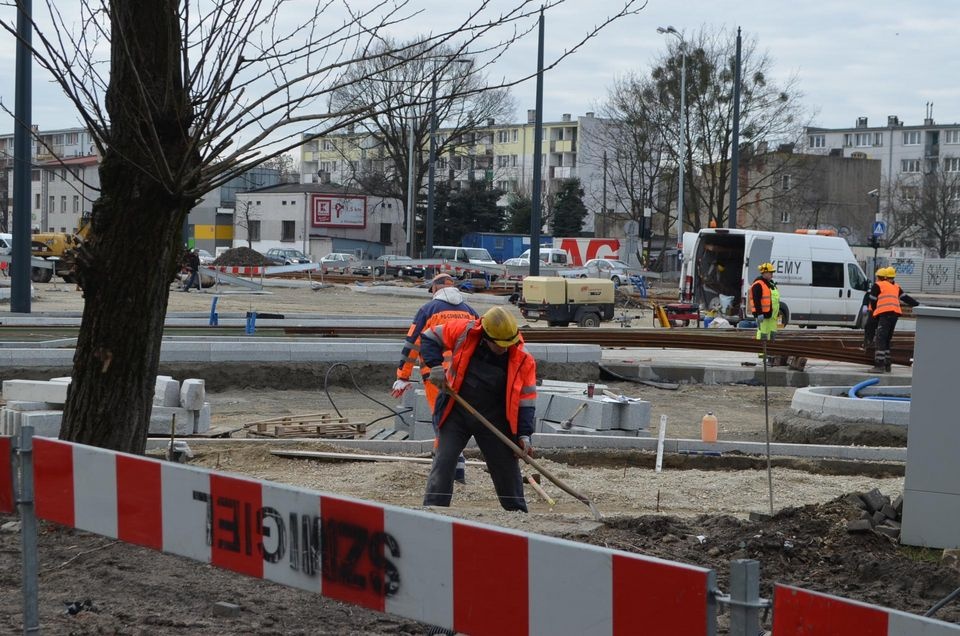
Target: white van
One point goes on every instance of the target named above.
(474, 255)
(819, 279)
(6, 243)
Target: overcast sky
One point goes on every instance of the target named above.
(852, 57)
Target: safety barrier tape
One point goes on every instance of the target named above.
(456, 574)
(242, 271)
(7, 503)
(799, 612)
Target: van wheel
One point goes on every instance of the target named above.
(785, 315)
(590, 319)
(378, 271)
(616, 281)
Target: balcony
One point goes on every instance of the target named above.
(566, 145)
(563, 172)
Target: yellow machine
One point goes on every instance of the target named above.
(56, 247)
(560, 301)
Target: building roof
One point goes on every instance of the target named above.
(85, 160)
(288, 188)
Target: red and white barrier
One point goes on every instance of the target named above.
(465, 576)
(238, 271)
(799, 612)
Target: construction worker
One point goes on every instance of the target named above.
(192, 262)
(484, 361)
(447, 304)
(869, 322)
(885, 299)
(765, 304)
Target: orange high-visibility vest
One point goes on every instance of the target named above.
(889, 299)
(766, 305)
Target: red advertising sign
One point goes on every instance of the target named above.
(339, 210)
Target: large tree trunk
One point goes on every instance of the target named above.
(129, 260)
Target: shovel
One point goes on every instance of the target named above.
(519, 452)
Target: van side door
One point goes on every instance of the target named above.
(828, 289)
(858, 285)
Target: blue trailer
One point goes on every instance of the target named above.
(501, 246)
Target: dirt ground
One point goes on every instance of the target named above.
(135, 591)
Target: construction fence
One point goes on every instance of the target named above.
(927, 275)
(460, 575)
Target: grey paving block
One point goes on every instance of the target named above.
(44, 423)
(328, 352)
(377, 352)
(201, 419)
(859, 526)
(422, 430)
(166, 391)
(192, 394)
(17, 405)
(896, 413)
(583, 353)
(161, 416)
(64, 380)
(35, 391)
(249, 351)
(185, 351)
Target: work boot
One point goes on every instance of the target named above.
(460, 476)
(878, 369)
(889, 367)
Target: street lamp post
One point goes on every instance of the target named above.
(669, 30)
(875, 238)
(432, 161)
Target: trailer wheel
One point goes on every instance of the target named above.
(589, 319)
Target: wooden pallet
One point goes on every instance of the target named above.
(321, 425)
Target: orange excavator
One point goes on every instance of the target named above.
(57, 247)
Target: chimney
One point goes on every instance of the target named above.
(491, 122)
(861, 122)
(531, 116)
(893, 121)
(589, 115)
(566, 117)
(324, 177)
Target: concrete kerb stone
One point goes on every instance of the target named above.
(192, 394)
(36, 357)
(832, 401)
(35, 391)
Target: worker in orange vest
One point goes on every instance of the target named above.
(485, 362)
(885, 299)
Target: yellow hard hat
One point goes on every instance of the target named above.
(766, 267)
(890, 272)
(500, 326)
(881, 272)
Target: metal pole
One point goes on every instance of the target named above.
(603, 212)
(411, 216)
(735, 150)
(536, 215)
(745, 597)
(766, 416)
(22, 165)
(683, 144)
(28, 532)
(428, 224)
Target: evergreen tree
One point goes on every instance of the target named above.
(471, 209)
(519, 210)
(568, 209)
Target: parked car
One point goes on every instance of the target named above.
(206, 258)
(617, 271)
(338, 262)
(286, 256)
(397, 265)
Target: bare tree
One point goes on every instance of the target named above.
(377, 153)
(926, 207)
(770, 115)
(194, 94)
(244, 217)
(286, 166)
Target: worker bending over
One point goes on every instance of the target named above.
(885, 299)
(447, 304)
(484, 361)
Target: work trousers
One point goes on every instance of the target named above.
(504, 468)
(870, 332)
(886, 323)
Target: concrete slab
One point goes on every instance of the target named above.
(201, 420)
(35, 391)
(166, 391)
(161, 417)
(192, 394)
(17, 405)
(44, 423)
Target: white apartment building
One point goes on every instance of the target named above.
(501, 154)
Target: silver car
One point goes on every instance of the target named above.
(617, 271)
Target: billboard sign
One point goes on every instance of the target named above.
(339, 210)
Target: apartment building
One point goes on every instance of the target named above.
(501, 154)
(64, 179)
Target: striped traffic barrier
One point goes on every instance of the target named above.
(466, 576)
(799, 612)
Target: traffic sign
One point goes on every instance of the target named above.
(879, 228)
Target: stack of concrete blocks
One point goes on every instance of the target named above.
(33, 403)
(556, 401)
(185, 401)
(601, 415)
(40, 403)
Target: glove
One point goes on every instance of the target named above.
(768, 315)
(399, 388)
(438, 377)
(865, 310)
(526, 446)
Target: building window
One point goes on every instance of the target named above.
(951, 136)
(386, 229)
(72, 138)
(253, 230)
(911, 138)
(36, 203)
(283, 202)
(951, 164)
(516, 135)
(910, 165)
(63, 204)
(442, 163)
(51, 175)
(52, 204)
(76, 204)
(502, 136)
(877, 139)
(784, 215)
(910, 193)
(818, 141)
(864, 140)
(288, 230)
(785, 182)
(847, 140)
(327, 144)
(35, 176)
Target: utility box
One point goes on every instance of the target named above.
(560, 301)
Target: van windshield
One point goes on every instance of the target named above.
(478, 254)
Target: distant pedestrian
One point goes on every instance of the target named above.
(765, 303)
(885, 299)
(193, 270)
